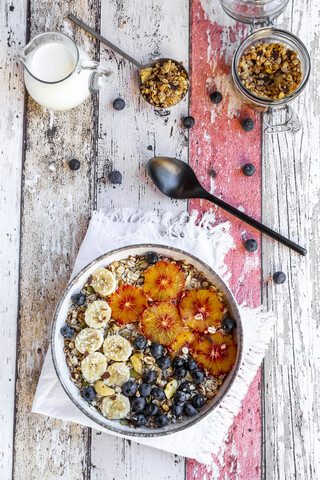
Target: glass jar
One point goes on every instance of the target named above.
(279, 116)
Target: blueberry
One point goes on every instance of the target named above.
(161, 420)
(144, 389)
(152, 258)
(228, 324)
(177, 362)
(179, 397)
(67, 332)
(115, 177)
(140, 343)
(129, 388)
(188, 122)
(119, 104)
(138, 404)
(184, 387)
(139, 420)
(163, 362)
(74, 164)
(191, 364)
(249, 169)
(189, 410)
(197, 400)
(216, 97)
(180, 372)
(158, 394)
(156, 349)
(251, 245)
(247, 124)
(151, 409)
(149, 377)
(89, 394)
(177, 410)
(279, 277)
(78, 299)
(197, 376)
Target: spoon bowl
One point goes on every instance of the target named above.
(176, 179)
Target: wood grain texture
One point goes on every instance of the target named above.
(56, 206)
(219, 148)
(127, 139)
(291, 186)
(12, 35)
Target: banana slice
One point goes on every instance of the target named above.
(93, 366)
(88, 340)
(117, 348)
(97, 314)
(104, 282)
(115, 407)
(119, 374)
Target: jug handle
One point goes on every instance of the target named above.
(100, 77)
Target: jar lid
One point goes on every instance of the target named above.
(260, 12)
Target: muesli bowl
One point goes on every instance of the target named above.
(58, 341)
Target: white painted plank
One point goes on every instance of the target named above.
(12, 35)
(127, 139)
(291, 184)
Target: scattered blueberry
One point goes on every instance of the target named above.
(249, 169)
(279, 277)
(119, 104)
(188, 122)
(144, 389)
(140, 343)
(74, 164)
(179, 397)
(129, 388)
(67, 332)
(152, 258)
(177, 362)
(251, 245)
(78, 299)
(197, 376)
(149, 377)
(115, 177)
(180, 372)
(189, 410)
(177, 410)
(198, 400)
(151, 409)
(139, 420)
(161, 420)
(216, 97)
(158, 394)
(89, 394)
(163, 362)
(228, 324)
(156, 349)
(247, 124)
(138, 404)
(184, 387)
(191, 364)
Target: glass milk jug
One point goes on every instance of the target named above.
(59, 75)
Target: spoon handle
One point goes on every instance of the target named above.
(97, 35)
(254, 223)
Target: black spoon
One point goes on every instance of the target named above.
(176, 179)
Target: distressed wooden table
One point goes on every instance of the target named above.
(45, 209)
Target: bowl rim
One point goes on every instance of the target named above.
(156, 432)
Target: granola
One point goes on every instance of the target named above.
(164, 84)
(143, 352)
(270, 71)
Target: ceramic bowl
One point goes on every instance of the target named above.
(57, 340)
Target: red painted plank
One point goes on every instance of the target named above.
(219, 148)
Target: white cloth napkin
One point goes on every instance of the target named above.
(210, 243)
